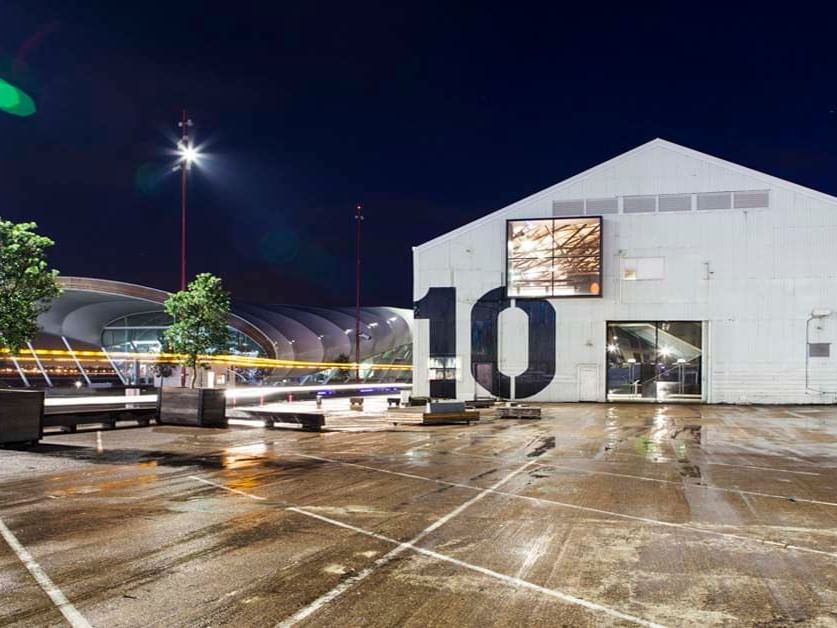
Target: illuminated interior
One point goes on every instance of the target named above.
(555, 257)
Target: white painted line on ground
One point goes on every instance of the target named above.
(662, 481)
(697, 486)
(510, 580)
(226, 488)
(69, 611)
(345, 585)
(542, 500)
(750, 466)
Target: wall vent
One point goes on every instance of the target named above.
(639, 204)
(714, 200)
(597, 206)
(751, 199)
(568, 208)
(819, 349)
(675, 202)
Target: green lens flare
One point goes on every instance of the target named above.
(15, 101)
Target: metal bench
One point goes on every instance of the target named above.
(70, 419)
(393, 401)
(307, 421)
(518, 412)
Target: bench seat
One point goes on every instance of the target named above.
(308, 421)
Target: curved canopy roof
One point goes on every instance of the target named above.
(291, 332)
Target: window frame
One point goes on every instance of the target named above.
(506, 240)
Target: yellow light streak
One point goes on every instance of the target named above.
(88, 356)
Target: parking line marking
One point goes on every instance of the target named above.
(644, 478)
(69, 611)
(542, 500)
(774, 469)
(227, 488)
(389, 556)
(510, 580)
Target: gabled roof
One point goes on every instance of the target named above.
(553, 190)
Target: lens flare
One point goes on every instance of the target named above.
(15, 101)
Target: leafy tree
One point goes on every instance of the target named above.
(200, 314)
(27, 284)
(343, 373)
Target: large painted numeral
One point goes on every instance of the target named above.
(485, 341)
(439, 306)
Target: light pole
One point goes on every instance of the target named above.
(188, 154)
(358, 220)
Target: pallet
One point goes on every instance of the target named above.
(518, 412)
(441, 418)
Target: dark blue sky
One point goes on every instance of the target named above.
(431, 114)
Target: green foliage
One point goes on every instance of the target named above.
(27, 284)
(200, 314)
(343, 373)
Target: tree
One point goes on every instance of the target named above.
(27, 284)
(342, 372)
(200, 314)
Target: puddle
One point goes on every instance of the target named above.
(545, 445)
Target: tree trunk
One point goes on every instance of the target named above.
(194, 376)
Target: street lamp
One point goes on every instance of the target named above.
(188, 154)
(358, 220)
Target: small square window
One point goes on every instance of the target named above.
(819, 349)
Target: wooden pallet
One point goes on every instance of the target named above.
(440, 418)
(518, 412)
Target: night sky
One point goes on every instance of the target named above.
(430, 114)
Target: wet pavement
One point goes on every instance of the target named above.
(595, 515)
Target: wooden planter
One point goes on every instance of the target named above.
(21, 416)
(202, 407)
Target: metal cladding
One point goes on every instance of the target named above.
(661, 275)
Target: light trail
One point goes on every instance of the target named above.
(62, 355)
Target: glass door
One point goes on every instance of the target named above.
(656, 361)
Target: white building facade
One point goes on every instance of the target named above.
(661, 275)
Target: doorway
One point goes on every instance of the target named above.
(588, 382)
(654, 361)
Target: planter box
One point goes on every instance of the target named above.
(202, 407)
(21, 416)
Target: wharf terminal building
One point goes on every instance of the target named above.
(102, 333)
(661, 275)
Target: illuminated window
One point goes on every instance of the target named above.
(559, 257)
(442, 368)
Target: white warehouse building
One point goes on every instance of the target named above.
(661, 275)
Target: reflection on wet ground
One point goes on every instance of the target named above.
(595, 515)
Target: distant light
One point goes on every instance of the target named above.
(348, 331)
(612, 348)
(392, 319)
(681, 360)
(665, 351)
(372, 325)
(631, 360)
(77, 384)
(189, 154)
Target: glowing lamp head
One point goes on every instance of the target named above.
(188, 154)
